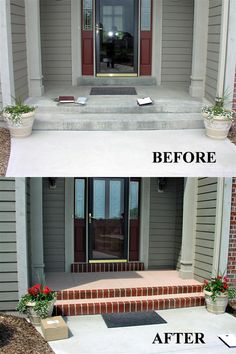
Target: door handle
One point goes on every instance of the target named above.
(90, 218)
(98, 28)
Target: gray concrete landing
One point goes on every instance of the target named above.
(126, 153)
(89, 334)
(173, 108)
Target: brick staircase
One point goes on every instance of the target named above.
(99, 301)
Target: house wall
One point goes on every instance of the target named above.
(8, 256)
(165, 224)
(54, 226)
(179, 220)
(213, 49)
(56, 41)
(19, 48)
(177, 41)
(231, 270)
(0, 93)
(234, 94)
(205, 228)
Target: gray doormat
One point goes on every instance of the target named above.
(106, 90)
(131, 319)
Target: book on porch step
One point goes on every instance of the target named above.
(229, 340)
(66, 99)
(144, 101)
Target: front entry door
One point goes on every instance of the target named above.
(117, 37)
(108, 218)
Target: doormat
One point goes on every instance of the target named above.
(107, 90)
(131, 319)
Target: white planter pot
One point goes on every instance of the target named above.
(33, 316)
(24, 129)
(219, 305)
(218, 127)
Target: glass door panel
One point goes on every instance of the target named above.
(108, 218)
(116, 36)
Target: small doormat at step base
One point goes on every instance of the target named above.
(113, 91)
(131, 319)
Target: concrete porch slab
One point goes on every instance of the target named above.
(126, 153)
(113, 280)
(89, 334)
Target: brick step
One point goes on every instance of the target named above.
(127, 292)
(106, 267)
(127, 304)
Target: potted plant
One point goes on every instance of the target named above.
(218, 293)
(19, 118)
(217, 119)
(37, 303)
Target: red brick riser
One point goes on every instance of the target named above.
(106, 267)
(129, 292)
(127, 306)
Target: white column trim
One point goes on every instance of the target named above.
(33, 45)
(223, 48)
(6, 59)
(36, 225)
(69, 223)
(157, 40)
(76, 41)
(189, 228)
(231, 53)
(225, 227)
(218, 225)
(21, 235)
(144, 221)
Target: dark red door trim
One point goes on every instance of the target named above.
(146, 49)
(87, 41)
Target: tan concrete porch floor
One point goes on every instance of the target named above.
(115, 280)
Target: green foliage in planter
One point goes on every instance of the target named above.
(41, 297)
(219, 286)
(15, 111)
(218, 109)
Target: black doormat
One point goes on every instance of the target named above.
(131, 319)
(106, 90)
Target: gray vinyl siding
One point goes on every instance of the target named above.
(0, 93)
(56, 41)
(54, 226)
(177, 41)
(165, 224)
(8, 250)
(19, 48)
(213, 50)
(28, 206)
(205, 228)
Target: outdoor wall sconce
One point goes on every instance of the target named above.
(52, 182)
(162, 183)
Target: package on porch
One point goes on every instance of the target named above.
(54, 328)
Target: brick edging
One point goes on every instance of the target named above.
(127, 306)
(127, 292)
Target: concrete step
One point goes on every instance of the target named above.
(127, 292)
(127, 304)
(116, 81)
(117, 121)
